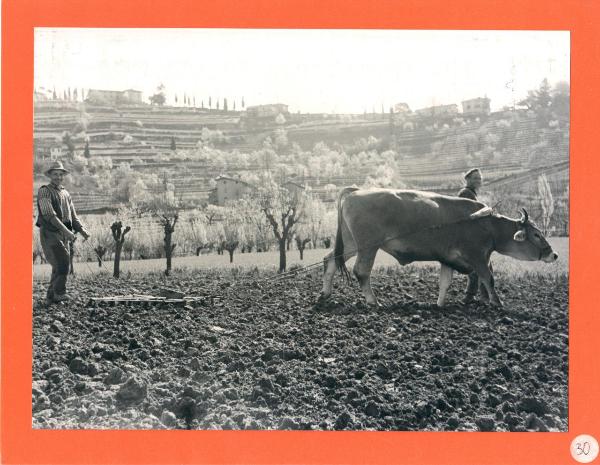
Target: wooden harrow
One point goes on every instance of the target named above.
(143, 300)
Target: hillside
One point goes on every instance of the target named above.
(510, 147)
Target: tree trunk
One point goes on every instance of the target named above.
(230, 256)
(282, 258)
(198, 249)
(118, 247)
(168, 251)
(302, 253)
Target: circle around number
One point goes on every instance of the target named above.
(584, 448)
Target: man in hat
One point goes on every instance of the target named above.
(473, 181)
(58, 223)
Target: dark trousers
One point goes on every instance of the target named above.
(56, 250)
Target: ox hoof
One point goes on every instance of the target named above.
(323, 297)
(468, 300)
(497, 304)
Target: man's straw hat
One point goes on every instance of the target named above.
(58, 166)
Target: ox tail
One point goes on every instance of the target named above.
(338, 251)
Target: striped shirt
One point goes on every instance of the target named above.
(56, 202)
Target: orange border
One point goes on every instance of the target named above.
(22, 445)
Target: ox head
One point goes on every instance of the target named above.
(529, 242)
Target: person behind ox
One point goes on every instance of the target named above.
(473, 181)
(58, 222)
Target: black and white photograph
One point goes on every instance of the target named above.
(300, 229)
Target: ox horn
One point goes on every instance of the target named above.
(485, 211)
(524, 216)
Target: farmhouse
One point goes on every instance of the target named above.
(294, 187)
(265, 111)
(229, 189)
(476, 106)
(438, 110)
(114, 96)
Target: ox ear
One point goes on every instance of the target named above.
(485, 211)
(519, 236)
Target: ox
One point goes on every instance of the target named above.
(411, 226)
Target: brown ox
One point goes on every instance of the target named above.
(411, 226)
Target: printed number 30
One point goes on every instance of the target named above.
(583, 448)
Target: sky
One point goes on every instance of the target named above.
(317, 71)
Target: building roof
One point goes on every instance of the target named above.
(475, 99)
(295, 184)
(220, 177)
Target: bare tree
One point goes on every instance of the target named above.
(118, 234)
(168, 223)
(100, 251)
(314, 219)
(283, 209)
(232, 231)
(301, 244)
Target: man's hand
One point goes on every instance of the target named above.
(69, 235)
(85, 234)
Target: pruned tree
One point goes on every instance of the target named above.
(118, 234)
(197, 234)
(86, 150)
(283, 209)
(314, 218)
(257, 227)
(100, 251)
(546, 201)
(249, 231)
(232, 231)
(173, 145)
(301, 242)
(212, 213)
(168, 223)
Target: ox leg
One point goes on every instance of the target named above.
(486, 277)
(445, 280)
(472, 284)
(362, 271)
(330, 269)
(329, 263)
(482, 290)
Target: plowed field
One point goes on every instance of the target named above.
(255, 354)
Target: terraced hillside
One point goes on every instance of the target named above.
(509, 147)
